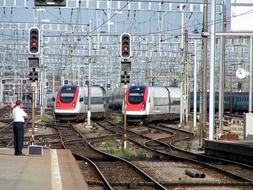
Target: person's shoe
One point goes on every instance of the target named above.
(20, 154)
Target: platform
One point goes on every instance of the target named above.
(54, 170)
(241, 151)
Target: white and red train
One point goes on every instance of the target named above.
(150, 103)
(71, 102)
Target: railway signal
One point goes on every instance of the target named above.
(34, 40)
(125, 41)
(125, 78)
(33, 75)
(50, 3)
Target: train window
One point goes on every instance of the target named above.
(94, 100)
(175, 102)
(67, 97)
(160, 101)
(136, 94)
(137, 89)
(97, 100)
(135, 99)
(67, 94)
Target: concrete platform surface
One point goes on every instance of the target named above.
(54, 170)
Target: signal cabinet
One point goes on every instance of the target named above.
(248, 126)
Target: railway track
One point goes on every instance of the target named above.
(165, 147)
(5, 114)
(118, 172)
(6, 132)
(236, 169)
(97, 167)
(47, 137)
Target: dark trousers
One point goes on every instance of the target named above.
(18, 128)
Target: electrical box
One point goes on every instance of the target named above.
(35, 150)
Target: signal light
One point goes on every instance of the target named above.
(125, 78)
(34, 40)
(33, 75)
(125, 46)
(50, 2)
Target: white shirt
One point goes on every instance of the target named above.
(18, 114)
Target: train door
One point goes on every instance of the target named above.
(86, 99)
(150, 101)
(82, 100)
(169, 98)
(97, 101)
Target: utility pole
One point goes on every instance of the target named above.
(125, 119)
(250, 73)
(1, 92)
(186, 77)
(33, 84)
(89, 79)
(195, 87)
(222, 66)
(183, 82)
(204, 74)
(212, 68)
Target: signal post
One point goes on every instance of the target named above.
(125, 53)
(33, 49)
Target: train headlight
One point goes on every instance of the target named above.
(58, 104)
(143, 106)
(74, 104)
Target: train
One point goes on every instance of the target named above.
(148, 103)
(234, 102)
(71, 102)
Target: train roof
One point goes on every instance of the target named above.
(174, 91)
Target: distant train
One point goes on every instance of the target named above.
(149, 103)
(51, 100)
(115, 100)
(27, 98)
(234, 102)
(72, 102)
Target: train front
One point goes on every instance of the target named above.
(136, 103)
(67, 105)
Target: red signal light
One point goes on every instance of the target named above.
(34, 43)
(125, 45)
(34, 35)
(125, 49)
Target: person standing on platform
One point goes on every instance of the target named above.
(19, 116)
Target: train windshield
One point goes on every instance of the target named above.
(136, 95)
(67, 94)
